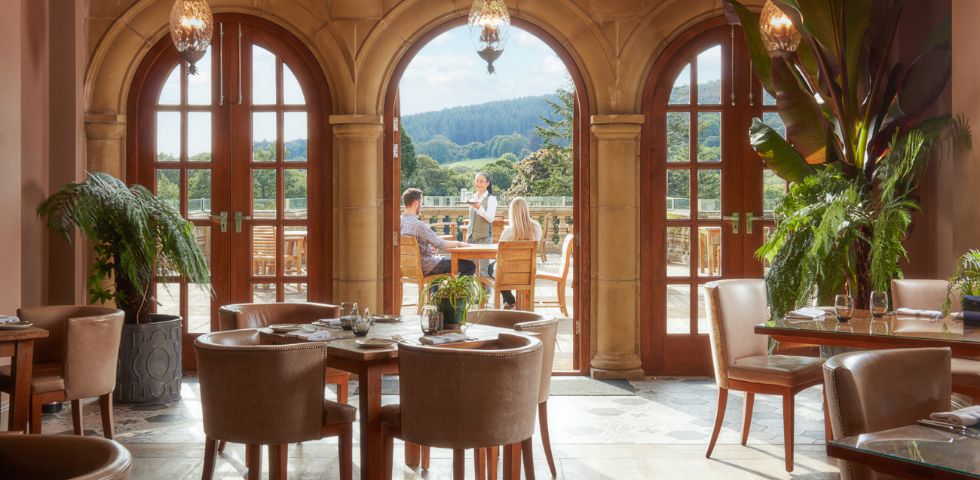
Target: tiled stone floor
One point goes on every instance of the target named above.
(660, 432)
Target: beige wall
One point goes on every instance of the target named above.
(964, 212)
(11, 31)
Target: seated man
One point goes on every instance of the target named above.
(429, 242)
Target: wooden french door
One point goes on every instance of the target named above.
(242, 150)
(702, 191)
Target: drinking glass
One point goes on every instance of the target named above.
(844, 307)
(430, 320)
(362, 323)
(348, 311)
(879, 303)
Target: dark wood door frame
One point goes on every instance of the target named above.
(581, 190)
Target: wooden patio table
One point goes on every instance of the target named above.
(913, 451)
(370, 365)
(471, 252)
(890, 331)
(19, 344)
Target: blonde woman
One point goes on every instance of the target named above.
(522, 227)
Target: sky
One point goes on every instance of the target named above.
(447, 72)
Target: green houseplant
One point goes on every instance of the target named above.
(455, 297)
(858, 136)
(965, 279)
(135, 235)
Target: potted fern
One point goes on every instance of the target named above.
(135, 235)
(455, 297)
(965, 280)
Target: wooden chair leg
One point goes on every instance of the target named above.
(493, 455)
(512, 461)
(561, 299)
(105, 406)
(527, 453)
(221, 446)
(425, 457)
(788, 416)
(210, 454)
(413, 454)
(719, 419)
(546, 436)
(459, 464)
(345, 444)
(827, 430)
(747, 416)
(76, 417)
(480, 463)
(35, 426)
(278, 463)
(388, 443)
(253, 461)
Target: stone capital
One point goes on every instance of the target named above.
(617, 127)
(105, 127)
(358, 127)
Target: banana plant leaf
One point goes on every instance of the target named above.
(806, 127)
(823, 19)
(927, 77)
(779, 155)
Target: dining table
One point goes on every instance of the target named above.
(913, 451)
(865, 331)
(475, 251)
(19, 345)
(371, 365)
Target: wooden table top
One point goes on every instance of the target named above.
(474, 248)
(29, 333)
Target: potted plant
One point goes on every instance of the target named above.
(135, 235)
(966, 278)
(455, 297)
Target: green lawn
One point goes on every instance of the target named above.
(472, 163)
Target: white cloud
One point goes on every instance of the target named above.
(553, 65)
(528, 40)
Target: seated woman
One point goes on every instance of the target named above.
(521, 227)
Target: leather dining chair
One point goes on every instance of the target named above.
(77, 360)
(78, 458)
(463, 398)
(741, 361)
(267, 395)
(870, 391)
(931, 295)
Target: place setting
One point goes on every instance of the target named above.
(13, 323)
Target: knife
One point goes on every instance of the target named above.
(965, 431)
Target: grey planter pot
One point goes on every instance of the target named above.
(149, 370)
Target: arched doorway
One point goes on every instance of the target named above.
(706, 198)
(579, 228)
(243, 150)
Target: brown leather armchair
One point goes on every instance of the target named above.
(78, 458)
(931, 295)
(863, 396)
(266, 395)
(741, 361)
(462, 398)
(77, 360)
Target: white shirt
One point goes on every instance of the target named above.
(491, 210)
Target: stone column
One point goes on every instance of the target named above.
(358, 210)
(106, 144)
(616, 276)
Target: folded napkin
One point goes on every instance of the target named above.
(964, 417)
(918, 313)
(8, 319)
(311, 336)
(330, 322)
(445, 338)
(808, 313)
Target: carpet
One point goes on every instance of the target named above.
(560, 387)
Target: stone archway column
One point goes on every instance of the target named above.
(616, 197)
(358, 211)
(106, 144)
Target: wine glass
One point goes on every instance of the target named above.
(844, 307)
(348, 311)
(430, 320)
(879, 303)
(362, 323)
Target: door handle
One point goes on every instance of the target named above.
(734, 219)
(238, 221)
(749, 218)
(222, 219)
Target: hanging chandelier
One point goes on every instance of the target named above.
(778, 33)
(191, 26)
(489, 25)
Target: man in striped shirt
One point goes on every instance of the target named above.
(429, 242)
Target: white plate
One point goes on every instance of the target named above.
(286, 327)
(16, 325)
(374, 342)
(387, 318)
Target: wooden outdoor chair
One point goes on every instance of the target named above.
(263, 251)
(515, 270)
(440, 227)
(411, 266)
(561, 278)
(496, 228)
(543, 244)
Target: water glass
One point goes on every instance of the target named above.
(348, 311)
(878, 303)
(362, 323)
(843, 307)
(430, 320)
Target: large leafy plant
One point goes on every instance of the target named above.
(135, 235)
(857, 139)
(460, 293)
(965, 279)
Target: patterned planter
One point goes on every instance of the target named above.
(149, 369)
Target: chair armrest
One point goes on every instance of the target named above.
(548, 276)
